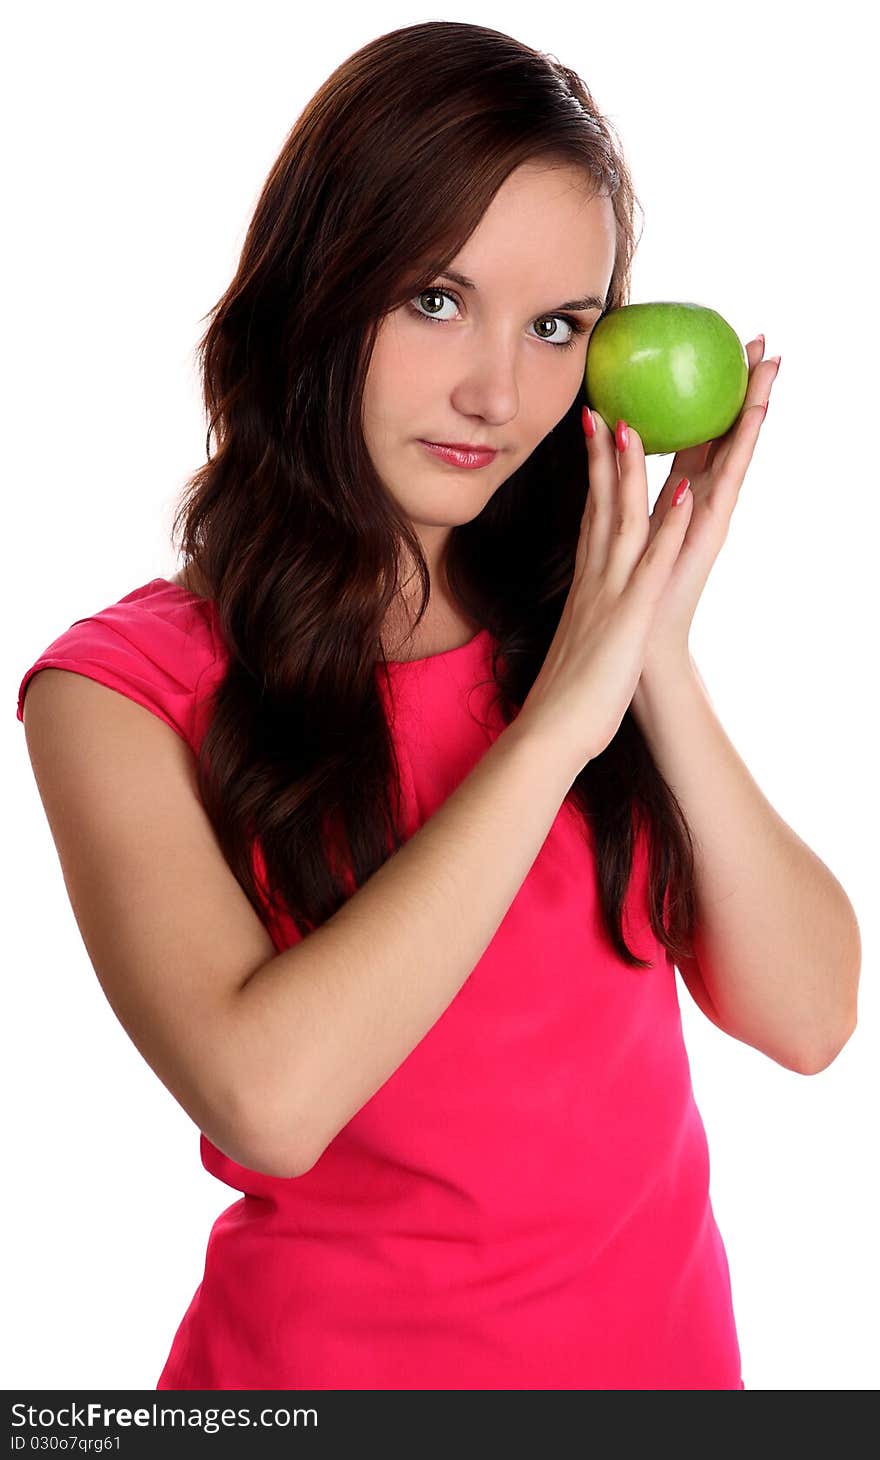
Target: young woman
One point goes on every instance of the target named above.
(367, 816)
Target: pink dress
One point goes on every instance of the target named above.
(524, 1204)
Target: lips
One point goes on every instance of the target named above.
(463, 446)
(462, 456)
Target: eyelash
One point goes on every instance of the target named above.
(576, 327)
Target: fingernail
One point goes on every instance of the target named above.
(588, 423)
(761, 342)
(775, 360)
(622, 435)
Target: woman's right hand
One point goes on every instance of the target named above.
(594, 661)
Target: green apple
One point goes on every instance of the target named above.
(676, 372)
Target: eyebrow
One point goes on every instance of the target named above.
(589, 301)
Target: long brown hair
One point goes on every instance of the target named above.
(291, 528)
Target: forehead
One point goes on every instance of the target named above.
(548, 220)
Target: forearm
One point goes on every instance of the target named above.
(324, 1024)
(777, 943)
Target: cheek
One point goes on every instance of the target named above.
(419, 366)
(403, 366)
(550, 395)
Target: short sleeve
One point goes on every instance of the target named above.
(155, 646)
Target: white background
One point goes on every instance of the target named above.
(137, 139)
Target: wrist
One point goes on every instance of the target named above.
(534, 733)
(663, 675)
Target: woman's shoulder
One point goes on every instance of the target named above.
(160, 644)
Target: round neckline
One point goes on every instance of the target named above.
(391, 663)
(443, 654)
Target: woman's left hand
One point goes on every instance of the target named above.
(715, 470)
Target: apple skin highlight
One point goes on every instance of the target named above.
(676, 372)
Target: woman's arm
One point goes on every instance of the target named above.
(777, 944)
(270, 1053)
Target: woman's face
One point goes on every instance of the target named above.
(487, 366)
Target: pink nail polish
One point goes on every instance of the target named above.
(622, 435)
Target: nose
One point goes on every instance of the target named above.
(487, 387)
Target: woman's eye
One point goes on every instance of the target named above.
(437, 297)
(434, 295)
